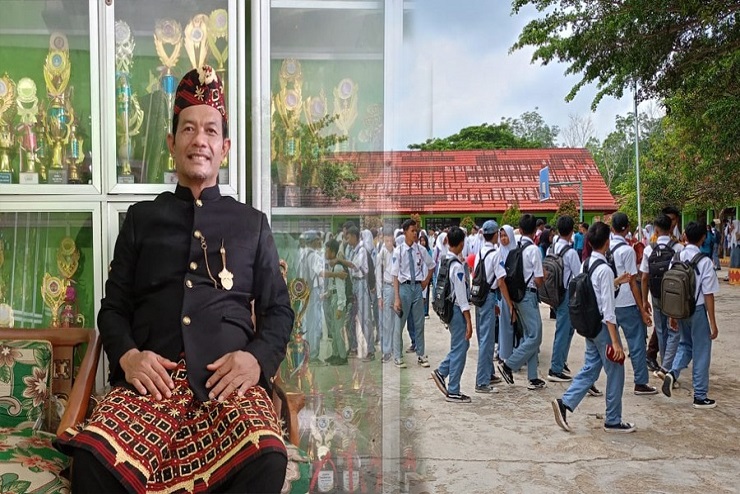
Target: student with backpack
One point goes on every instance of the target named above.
(631, 314)
(655, 262)
(409, 283)
(560, 265)
(483, 293)
(337, 278)
(506, 243)
(523, 275)
(604, 349)
(447, 375)
(700, 328)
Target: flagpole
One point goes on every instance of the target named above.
(637, 164)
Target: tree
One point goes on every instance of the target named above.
(467, 223)
(579, 132)
(567, 208)
(511, 216)
(484, 136)
(531, 126)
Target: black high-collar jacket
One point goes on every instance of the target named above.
(160, 297)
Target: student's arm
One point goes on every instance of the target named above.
(427, 260)
(468, 325)
(709, 304)
(507, 298)
(616, 345)
(645, 289)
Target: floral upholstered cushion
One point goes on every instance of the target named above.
(29, 463)
(25, 381)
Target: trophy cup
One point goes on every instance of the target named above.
(129, 115)
(315, 109)
(68, 261)
(289, 105)
(345, 107)
(298, 350)
(28, 107)
(7, 111)
(59, 118)
(53, 291)
(196, 40)
(168, 32)
(218, 28)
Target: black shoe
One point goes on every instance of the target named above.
(566, 369)
(411, 349)
(458, 398)
(705, 403)
(594, 391)
(558, 377)
(505, 373)
(338, 361)
(667, 384)
(369, 358)
(536, 384)
(622, 427)
(495, 379)
(560, 414)
(439, 380)
(644, 389)
(652, 364)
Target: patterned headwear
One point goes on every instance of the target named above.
(200, 87)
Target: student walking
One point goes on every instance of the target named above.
(602, 351)
(485, 314)
(461, 327)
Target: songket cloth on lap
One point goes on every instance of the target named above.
(177, 444)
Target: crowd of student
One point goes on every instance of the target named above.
(373, 286)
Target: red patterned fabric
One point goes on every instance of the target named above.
(178, 444)
(200, 87)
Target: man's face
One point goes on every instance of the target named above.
(674, 220)
(410, 234)
(389, 243)
(199, 145)
(352, 240)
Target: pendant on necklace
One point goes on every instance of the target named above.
(226, 276)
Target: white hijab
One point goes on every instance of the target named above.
(505, 249)
(366, 237)
(441, 247)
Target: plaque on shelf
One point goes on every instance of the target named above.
(126, 179)
(6, 177)
(58, 176)
(28, 178)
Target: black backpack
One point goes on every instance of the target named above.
(480, 287)
(610, 253)
(515, 282)
(371, 281)
(552, 289)
(658, 263)
(348, 290)
(583, 307)
(444, 298)
(678, 287)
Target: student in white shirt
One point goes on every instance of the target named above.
(485, 315)
(603, 281)
(698, 331)
(389, 320)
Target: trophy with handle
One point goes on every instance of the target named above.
(7, 139)
(168, 32)
(345, 107)
(59, 117)
(129, 115)
(28, 142)
(288, 103)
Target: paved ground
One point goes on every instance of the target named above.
(509, 442)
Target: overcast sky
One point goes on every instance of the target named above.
(457, 72)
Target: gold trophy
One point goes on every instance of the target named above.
(168, 32)
(345, 107)
(289, 105)
(53, 291)
(75, 156)
(315, 109)
(129, 115)
(218, 28)
(28, 108)
(7, 111)
(57, 70)
(196, 40)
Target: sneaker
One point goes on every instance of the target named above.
(652, 364)
(558, 377)
(536, 384)
(594, 391)
(505, 372)
(645, 389)
(705, 403)
(560, 414)
(400, 364)
(458, 398)
(387, 358)
(423, 361)
(411, 349)
(338, 361)
(369, 358)
(667, 384)
(566, 369)
(660, 373)
(622, 427)
(352, 353)
(439, 380)
(486, 389)
(495, 379)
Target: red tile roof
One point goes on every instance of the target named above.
(434, 182)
